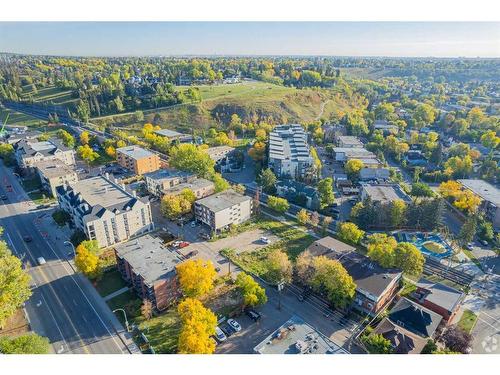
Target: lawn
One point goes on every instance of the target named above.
(19, 119)
(31, 184)
(162, 331)
(467, 321)
(39, 197)
(110, 282)
(127, 301)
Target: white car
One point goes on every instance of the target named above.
(265, 240)
(234, 325)
(41, 260)
(219, 335)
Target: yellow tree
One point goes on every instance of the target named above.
(198, 324)
(467, 201)
(450, 189)
(353, 167)
(349, 232)
(84, 138)
(303, 217)
(381, 248)
(253, 293)
(111, 151)
(87, 262)
(196, 277)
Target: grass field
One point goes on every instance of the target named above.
(110, 282)
(19, 119)
(467, 321)
(51, 95)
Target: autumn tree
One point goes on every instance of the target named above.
(353, 167)
(146, 309)
(302, 217)
(381, 249)
(87, 153)
(84, 137)
(197, 325)
(253, 293)
(258, 151)
(279, 267)
(490, 140)
(87, 262)
(325, 223)
(268, 181)
(196, 277)
(280, 205)
(111, 152)
(67, 139)
(408, 258)
(349, 232)
(14, 284)
(398, 213)
(25, 344)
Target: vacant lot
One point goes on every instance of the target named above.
(109, 283)
(18, 119)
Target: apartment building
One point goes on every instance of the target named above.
(384, 193)
(490, 198)
(220, 210)
(105, 210)
(54, 173)
(150, 269)
(348, 141)
(289, 153)
(219, 153)
(29, 152)
(163, 179)
(199, 186)
(137, 159)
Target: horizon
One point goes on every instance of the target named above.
(440, 40)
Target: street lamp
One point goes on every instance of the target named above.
(72, 246)
(281, 286)
(125, 315)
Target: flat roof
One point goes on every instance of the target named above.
(213, 151)
(349, 139)
(165, 174)
(149, 257)
(54, 168)
(135, 152)
(289, 142)
(170, 133)
(385, 193)
(483, 189)
(223, 200)
(295, 336)
(196, 184)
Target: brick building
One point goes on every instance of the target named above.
(137, 159)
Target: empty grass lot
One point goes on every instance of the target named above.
(467, 321)
(110, 282)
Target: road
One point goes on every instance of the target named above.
(64, 306)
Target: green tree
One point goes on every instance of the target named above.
(220, 183)
(24, 344)
(268, 181)
(349, 232)
(408, 258)
(87, 153)
(398, 213)
(490, 140)
(253, 293)
(190, 158)
(468, 230)
(381, 249)
(7, 153)
(280, 205)
(421, 189)
(325, 191)
(352, 168)
(67, 139)
(377, 344)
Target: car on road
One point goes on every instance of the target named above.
(192, 254)
(484, 242)
(27, 239)
(4, 197)
(234, 325)
(41, 260)
(469, 246)
(42, 206)
(265, 240)
(220, 335)
(226, 330)
(252, 314)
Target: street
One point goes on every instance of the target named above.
(64, 306)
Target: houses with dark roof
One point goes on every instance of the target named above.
(375, 286)
(149, 267)
(298, 193)
(289, 153)
(29, 152)
(105, 210)
(440, 298)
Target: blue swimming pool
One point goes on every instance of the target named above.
(420, 239)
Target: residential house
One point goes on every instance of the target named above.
(298, 193)
(375, 286)
(223, 209)
(347, 141)
(149, 267)
(374, 174)
(137, 159)
(344, 154)
(385, 127)
(54, 173)
(105, 210)
(174, 136)
(199, 186)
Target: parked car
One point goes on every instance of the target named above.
(220, 335)
(183, 244)
(469, 246)
(484, 242)
(41, 260)
(226, 330)
(176, 243)
(192, 254)
(234, 325)
(265, 240)
(252, 314)
(28, 239)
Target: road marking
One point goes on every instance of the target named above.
(490, 344)
(74, 303)
(495, 320)
(484, 321)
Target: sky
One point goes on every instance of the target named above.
(412, 39)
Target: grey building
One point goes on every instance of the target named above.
(348, 141)
(29, 152)
(163, 179)
(223, 209)
(490, 198)
(289, 152)
(105, 210)
(54, 173)
(384, 193)
(298, 193)
(172, 135)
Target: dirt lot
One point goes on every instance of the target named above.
(16, 325)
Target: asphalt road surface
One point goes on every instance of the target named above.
(64, 306)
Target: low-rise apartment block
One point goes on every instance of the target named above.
(199, 186)
(219, 153)
(164, 179)
(344, 154)
(137, 159)
(289, 153)
(54, 173)
(223, 209)
(105, 210)
(384, 193)
(149, 267)
(490, 198)
(29, 152)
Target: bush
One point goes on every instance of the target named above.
(61, 217)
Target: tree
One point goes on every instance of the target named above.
(485, 231)
(398, 213)
(352, 168)
(86, 153)
(408, 258)
(84, 137)
(258, 151)
(314, 219)
(302, 217)
(280, 205)
(190, 158)
(67, 139)
(377, 344)
(430, 347)
(268, 181)
(138, 116)
(111, 152)
(279, 267)
(458, 167)
(467, 201)
(325, 223)
(198, 324)
(196, 277)
(220, 183)
(381, 249)
(7, 153)
(468, 230)
(87, 262)
(120, 143)
(147, 309)
(457, 340)
(349, 232)
(423, 115)
(253, 293)
(490, 140)
(14, 284)
(24, 344)
(325, 191)
(421, 189)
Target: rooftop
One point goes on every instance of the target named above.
(440, 294)
(289, 142)
(385, 193)
(402, 340)
(54, 168)
(165, 174)
(354, 152)
(170, 133)
(197, 183)
(135, 152)
(414, 317)
(149, 258)
(350, 140)
(29, 147)
(223, 200)
(484, 190)
(297, 337)
(215, 152)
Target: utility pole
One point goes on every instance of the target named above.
(281, 285)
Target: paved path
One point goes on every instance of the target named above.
(116, 293)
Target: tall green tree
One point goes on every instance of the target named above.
(325, 191)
